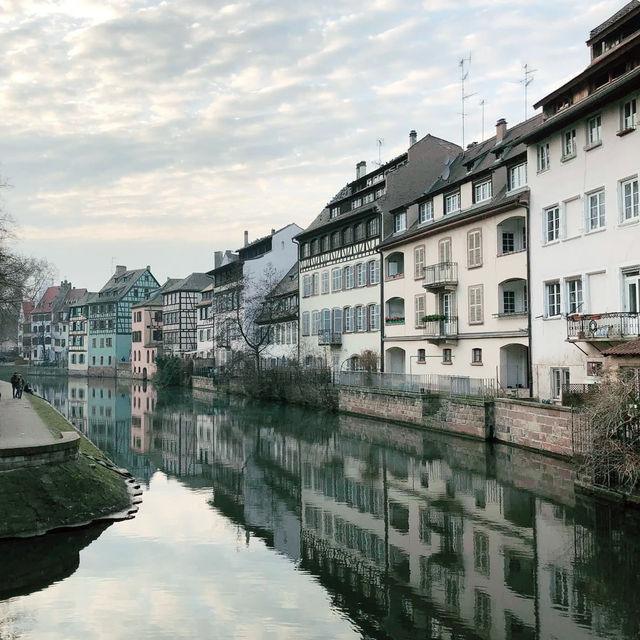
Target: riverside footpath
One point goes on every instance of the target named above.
(51, 476)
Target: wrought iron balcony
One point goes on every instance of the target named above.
(440, 330)
(443, 275)
(617, 326)
(329, 338)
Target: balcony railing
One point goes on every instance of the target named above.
(594, 327)
(329, 338)
(441, 329)
(441, 276)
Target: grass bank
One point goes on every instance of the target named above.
(38, 499)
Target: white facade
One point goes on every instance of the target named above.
(205, 345)
(585, 227)
(78, 340)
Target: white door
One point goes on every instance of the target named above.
(631, 325)
(447, 309)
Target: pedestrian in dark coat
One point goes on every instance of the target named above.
(19, 387)
(14, 383)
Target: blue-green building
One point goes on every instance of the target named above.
(109, 338)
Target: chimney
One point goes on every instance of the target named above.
(273, 232)
(217, 259)
(361, 169)
(413, 137)
(501, 129)
(120, 269)
(246, 238)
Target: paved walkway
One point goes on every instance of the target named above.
(20, 425)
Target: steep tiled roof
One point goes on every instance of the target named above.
(45, 305)
(27, 308)
(193, 282)
(628, 8)
(631, 348)
(73, 297)
(288, 284)
(119, 284)
(156, 297)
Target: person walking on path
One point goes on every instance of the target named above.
(14, 383)
(19, 387)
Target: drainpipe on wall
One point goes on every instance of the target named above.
(525, 205)
(381, 295)
(299, 301)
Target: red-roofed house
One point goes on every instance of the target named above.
(41, 323)
(24, 329)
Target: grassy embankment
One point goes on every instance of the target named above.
(38, 499)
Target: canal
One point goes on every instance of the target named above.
(262, 521)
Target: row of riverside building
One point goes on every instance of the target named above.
(516, 259)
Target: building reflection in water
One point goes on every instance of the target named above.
(413, 534)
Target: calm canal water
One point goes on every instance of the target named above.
(274, 522)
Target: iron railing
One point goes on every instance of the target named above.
(329, 338)
(418, 383)
(603, 326)
(447, 328)
(440, 275)
(576, 395)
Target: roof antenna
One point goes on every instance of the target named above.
(526, 81)
(379, 142)
(483, 102)
(464, 74)
(113, 263)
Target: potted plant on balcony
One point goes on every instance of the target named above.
(394, 320)
(435, 317)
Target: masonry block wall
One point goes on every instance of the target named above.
(530, 424)
(464, 416)
(380, 403)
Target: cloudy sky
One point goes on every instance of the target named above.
(154, 132)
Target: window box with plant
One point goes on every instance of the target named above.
(434, 317)
(394, 320)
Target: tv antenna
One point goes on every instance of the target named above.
(483, 102)
(113, 263)
(464, 74)
(380, 143)
(526, 81)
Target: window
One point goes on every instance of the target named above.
(361, 274)
(347, 235)
(559, 377)
(508, 302)
(444, 250)
(628, 115)
(348, 319)
(315, 284)
(553, 298)
(452, 202)
(335, 212)
(475, 304)
(446, 356)
(422, 355)
(425, 212)
(324, 242)
(348, 277)
(518, 176)
(373, 313)
(336, 277)
(374, 271)
(476, 356)
(594, 368)
(569, 143)
(325, 282)
(315, 322)
(543, 157)
(373, 227)
(552, 224)
(418, 262)
(335, 239)
(400, 222)
(629, 199)
(574, 296)
(482, 191)
(360, 231)
(368, 197)
(355, 203)
(109, 342)
(595, 210)
(508, 242)
(594, 131)
(73, 361)
(315, 246)
(420, 306)
(337, 320)
(474, 248)
(360, 318)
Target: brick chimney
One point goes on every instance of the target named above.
(120, 269)
(413, 137)
(501, 129)
(246, 238)
(361, 169)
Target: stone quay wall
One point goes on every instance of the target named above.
(63, 450)
(532, 425)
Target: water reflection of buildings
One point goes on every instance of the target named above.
(414, 545)
(143, 405)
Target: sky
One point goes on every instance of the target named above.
(152, 132)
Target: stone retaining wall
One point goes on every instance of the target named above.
(463, 416)
(199, 382)
(397, 406)
(61, 451)
(530, 424)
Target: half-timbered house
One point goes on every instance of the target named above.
(179, 314)
(78, 351)
(24, 329)
(110, 318)
(205, 323)
(42, 320)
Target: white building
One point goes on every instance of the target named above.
(43, 325)
(584, 164)
(242, 282)
(340, 264)
(455, 268)
(205, 345)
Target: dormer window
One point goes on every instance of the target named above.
(400, 222)
(335, 212)
(517, 176)
(425, 212)
(452, 203)
(356, 202)
(482, 191)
